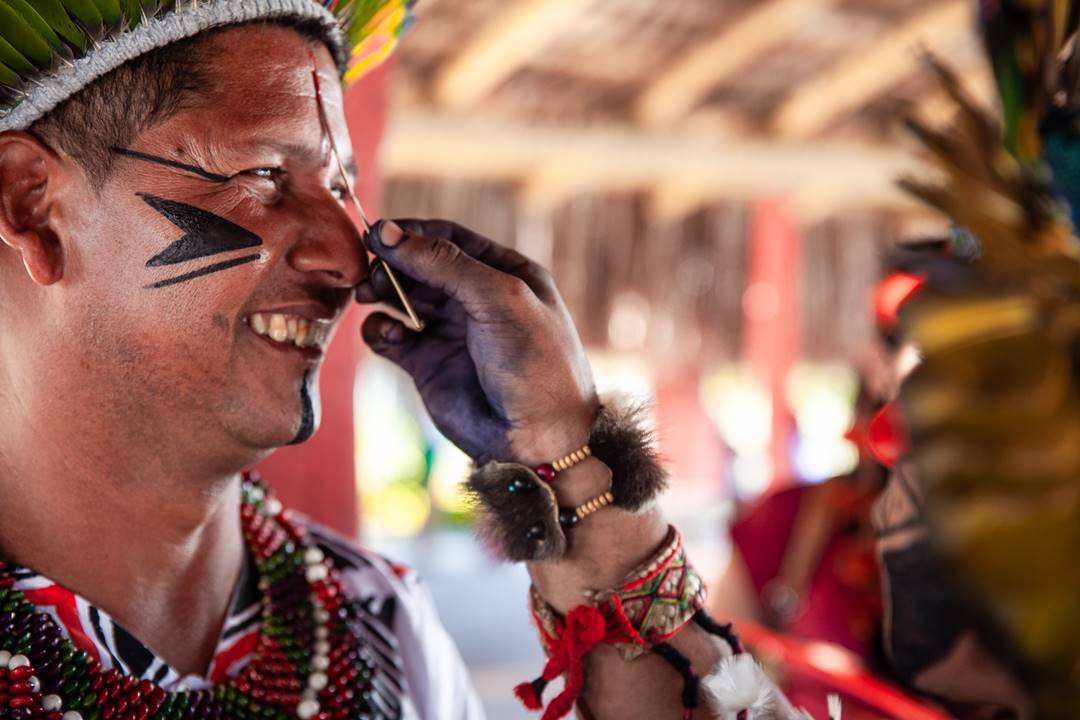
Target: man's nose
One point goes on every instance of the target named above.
(330, 246)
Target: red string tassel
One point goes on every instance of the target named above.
(529, 693)
(585, 628)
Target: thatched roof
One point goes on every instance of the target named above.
(751, 79)
(602, 121)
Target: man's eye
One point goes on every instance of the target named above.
(275, 175)
(339, 192)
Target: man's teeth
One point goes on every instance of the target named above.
(290, 329)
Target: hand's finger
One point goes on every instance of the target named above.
(419, 354)
(487, 251)
(390, 338)
(419, 295)
(429, 304)
(365, 293)
(443, 265)
(422, 356)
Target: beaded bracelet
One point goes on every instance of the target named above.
(549, 471)
(518, 514)
(571, 516)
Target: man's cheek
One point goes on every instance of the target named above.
(202, 250)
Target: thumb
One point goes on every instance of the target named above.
(440, 264)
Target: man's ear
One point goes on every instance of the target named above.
(27, 166)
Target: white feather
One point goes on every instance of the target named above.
(740, 684)
(835, 708)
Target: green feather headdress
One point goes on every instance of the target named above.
(1025, 41)
(51, 49)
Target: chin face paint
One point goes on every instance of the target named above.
(206, 235)
(307, 413)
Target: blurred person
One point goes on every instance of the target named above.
(175, 258)
(930, 627)
(979, 523)
(804, 557)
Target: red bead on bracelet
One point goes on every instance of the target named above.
(549, 471)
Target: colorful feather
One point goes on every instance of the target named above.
(130, 9)
(994, 408)
(37, 35)
(27, 33)
(84, 12)
(8, 77)
(33, 17)
(1024, 39)
(110, 12)
(13, 58)
(55, 16)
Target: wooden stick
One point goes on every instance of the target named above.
(417, 323)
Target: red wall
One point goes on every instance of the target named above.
(319, 477)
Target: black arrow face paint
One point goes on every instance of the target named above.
(206, 234)
(210, 269)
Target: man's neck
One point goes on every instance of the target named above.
(160, 552)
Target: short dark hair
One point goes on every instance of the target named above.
(111, 111)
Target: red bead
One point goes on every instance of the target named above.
(546, 473)
(155, 699)
(270, 678)
(21, 673)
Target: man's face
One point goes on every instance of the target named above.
(205, 279)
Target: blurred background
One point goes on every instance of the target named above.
(711, 183)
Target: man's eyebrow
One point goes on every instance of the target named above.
(193, 169)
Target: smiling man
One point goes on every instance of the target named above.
(175, 258)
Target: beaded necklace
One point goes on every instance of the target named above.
(308, 662)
